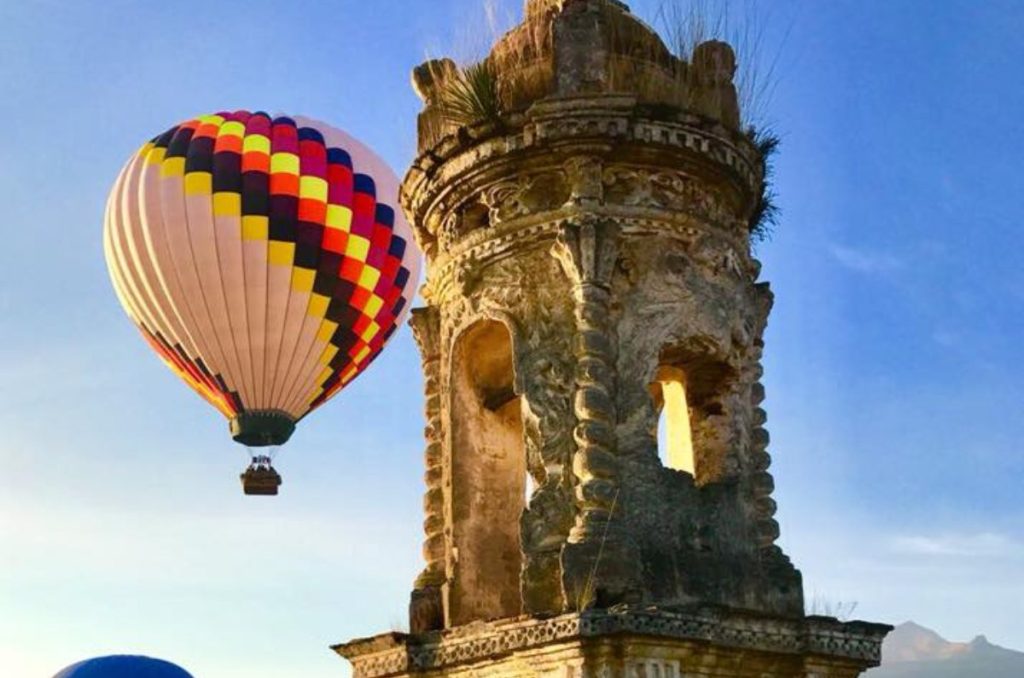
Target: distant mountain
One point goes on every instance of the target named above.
(912, 651)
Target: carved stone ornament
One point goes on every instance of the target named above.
(587, 250)
(584, 173)
(664, 189)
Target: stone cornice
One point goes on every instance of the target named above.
(460, 167)
(394, 653)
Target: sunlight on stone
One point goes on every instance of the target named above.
(675, 442)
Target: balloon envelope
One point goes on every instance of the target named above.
(123, 666)
(263, 259)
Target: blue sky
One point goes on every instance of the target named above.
(893, 371)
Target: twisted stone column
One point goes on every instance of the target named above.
(592, 561)
(587, 253)
(426, 611)
(761, 483)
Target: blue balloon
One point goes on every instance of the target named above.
(124, 666)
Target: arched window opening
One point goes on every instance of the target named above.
(690, 388)
(488, 476)
(675, 436)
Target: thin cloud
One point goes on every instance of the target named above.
(979, 545)
(864, 261)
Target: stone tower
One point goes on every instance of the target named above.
(587, 224)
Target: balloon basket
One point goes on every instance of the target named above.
(260, 479)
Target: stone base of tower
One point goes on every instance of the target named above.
(628, 643)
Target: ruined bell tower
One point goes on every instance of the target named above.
(586, 214)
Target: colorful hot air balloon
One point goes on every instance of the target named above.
(264, 261)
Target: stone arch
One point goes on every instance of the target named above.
(488, 472)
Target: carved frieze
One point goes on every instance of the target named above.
(665, 189)
(738, 640)
(524, 195)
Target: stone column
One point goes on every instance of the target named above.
(426, 611)
(593, 562)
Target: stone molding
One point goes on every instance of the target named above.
(510, 237)
(395, 653)
(473, 167)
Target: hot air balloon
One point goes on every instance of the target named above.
(264, 261)
(123, 666)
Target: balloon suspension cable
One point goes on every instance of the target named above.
(261, 478)
(262, 462)
(261, 455)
